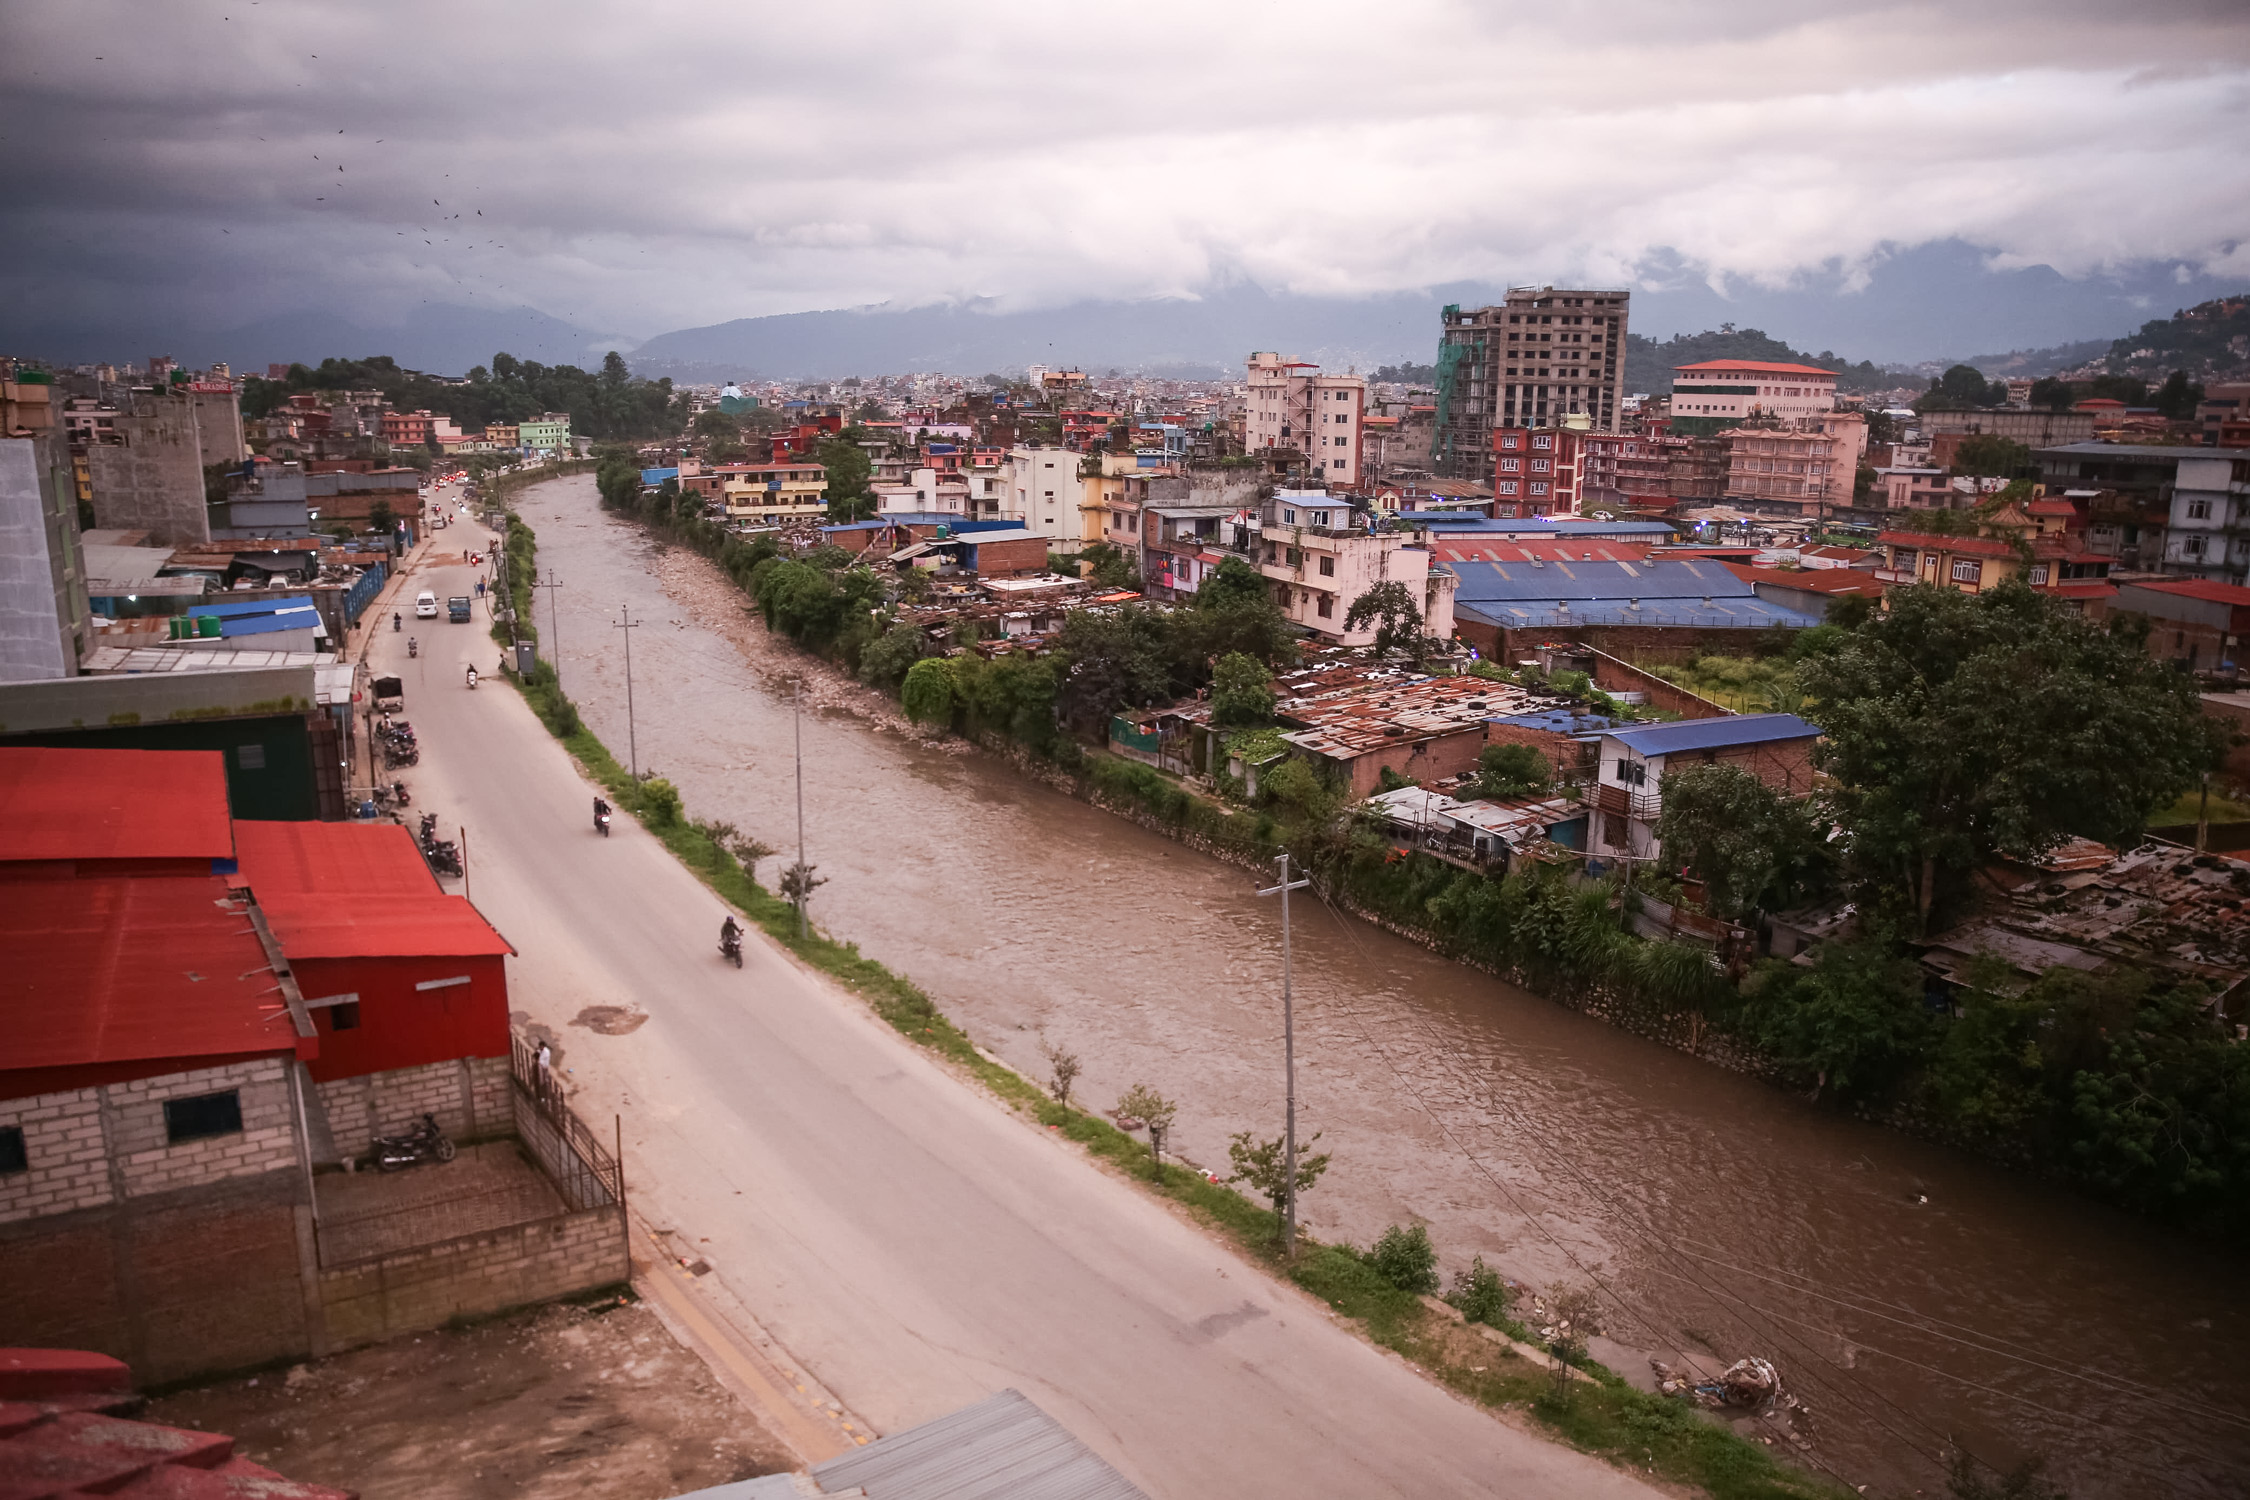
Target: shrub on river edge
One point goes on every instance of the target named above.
(1609, 1419)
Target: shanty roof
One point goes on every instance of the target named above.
(133, 969)
(1714, 734)
(76, 804)
(1747, 612)
(238, 618)
(1812, 580)
(2196, 588)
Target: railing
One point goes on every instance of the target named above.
(584, 1171)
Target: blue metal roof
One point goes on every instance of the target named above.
(1559, 721)
(1667, 578)
(1714, 734)
(654, 477)
(259, 616)
(1450, 521)
(1721, 614)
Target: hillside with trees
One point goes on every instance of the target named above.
(609, 403)
(2209, 342)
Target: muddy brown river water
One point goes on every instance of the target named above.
(1910, 1296)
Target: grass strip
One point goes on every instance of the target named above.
(1608, 1418)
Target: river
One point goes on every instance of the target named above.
(1909, 1295)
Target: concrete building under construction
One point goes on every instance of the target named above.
(1539, 356)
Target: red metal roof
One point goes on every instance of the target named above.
(47, 1453)
(356, 890)
(1472, 547)
(1967, 546)
(1713, 365)
(339, 859)
(58, 804)
(2198, 588)
(1811, 580)
(330, 926)
(123, 970)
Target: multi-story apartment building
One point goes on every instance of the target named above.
(1537, 471)
(1319, 562)
(1720, 393)
(1040, 487)
(1779, 468)
(1543, 354)
(544, 433)
(1293, 406)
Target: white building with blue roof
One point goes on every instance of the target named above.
(1629, 788)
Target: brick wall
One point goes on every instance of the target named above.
(1510, 646)
(1563, 753)
(474, 1276)
(1614, 676)
(468, 1095)
(88, 1147)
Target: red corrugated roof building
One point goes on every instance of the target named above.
(110, 979)
(74, 812)
(355, 908)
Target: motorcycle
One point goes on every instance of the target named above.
(730, 944)
(601, 819)
(425, 1142)
(472, 679)
(398, 623)
(444, 855)
(412, 648)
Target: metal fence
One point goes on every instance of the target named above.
(585, 1172)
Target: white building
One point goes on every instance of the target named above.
(1041, 488)
(1319, 560)
(1292, 405)
(1726, 391)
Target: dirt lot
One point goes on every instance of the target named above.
(563, 1401)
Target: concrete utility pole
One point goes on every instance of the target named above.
(1289, 1063)
(554, 619)
(797, 715)
(628, 624)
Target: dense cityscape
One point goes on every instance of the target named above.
(1522, 907)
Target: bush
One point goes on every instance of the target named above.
(885, 661)
(1505, 771)
(658, 801)
(1403, 1258)
(1479, 1294)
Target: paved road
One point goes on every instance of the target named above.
(910, 1240)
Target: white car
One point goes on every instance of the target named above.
(425, 605)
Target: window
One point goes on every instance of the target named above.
(250, 757)
(1327, 567)
(344, 1017)
(1967, 570)
(2193, 546)
(1510, 441)
(1327, 605)
(1539, 486)
(13, 1157)
(1507, 486)
(2037, 576)
(2199, 510)
(1511, 465)
(1543, 442)
(1540, 466)
(1632, 772)
(203, 1115)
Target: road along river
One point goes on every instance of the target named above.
(1910, 1296)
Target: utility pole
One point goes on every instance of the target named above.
(804, 891)
(628, 624)
(554, 619)
(1289, 1063)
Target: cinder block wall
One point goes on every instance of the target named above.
(469, 1096)
(474, 1277)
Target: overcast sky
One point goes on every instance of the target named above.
(639, 167)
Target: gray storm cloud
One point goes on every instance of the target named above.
(647, 166)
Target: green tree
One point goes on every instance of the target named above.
(1747, 843)
(848, 468)
(617, 480)
(1142, 1103)
(1263, 1165)
(1510, 770)
(928, 695)
(1111, 566)
(2178, 397)
(1850, 1025)
(1961, 386)
(1297, 788)
(2052, 393)
(1958, 726)
(1113, 659)
(1241, 692)
(1234, 584)
(2130, 389)
(1990, 457)
(890, 656)
(1396, 614)
(380, 516)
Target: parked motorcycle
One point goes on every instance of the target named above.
(443, 854)
(425, 1142)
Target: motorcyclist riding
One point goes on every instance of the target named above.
(601, 816)
(472, 677)
(411, 648)
(398, 623)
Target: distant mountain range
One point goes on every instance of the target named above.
(1930, 306)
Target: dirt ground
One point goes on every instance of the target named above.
(601, 1404)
